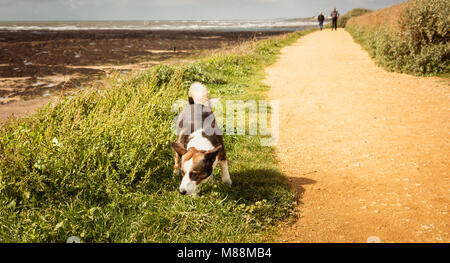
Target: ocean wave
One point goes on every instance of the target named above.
(159, 25)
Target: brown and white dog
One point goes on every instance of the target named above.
(199, 147)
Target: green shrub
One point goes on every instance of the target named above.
(426, 22)
(420, 46)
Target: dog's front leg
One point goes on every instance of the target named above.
(181, 139)
(177, 165)
(225, 174)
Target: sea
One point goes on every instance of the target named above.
(185, 25)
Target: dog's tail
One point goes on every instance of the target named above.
(198, 94)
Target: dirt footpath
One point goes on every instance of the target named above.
(368, 150)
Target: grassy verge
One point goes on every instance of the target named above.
(342, 21)
(98, 165)
(395, 54)
(420, 45)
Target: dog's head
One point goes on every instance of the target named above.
(196, 167)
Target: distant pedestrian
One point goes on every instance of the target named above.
(334, 19)
(321, 18)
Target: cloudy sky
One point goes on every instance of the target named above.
(175, 9)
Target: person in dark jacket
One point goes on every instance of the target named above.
(334, 18)
(321, 18)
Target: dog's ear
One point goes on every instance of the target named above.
(179, 148)
(211, 154)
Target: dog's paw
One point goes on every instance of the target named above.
(227, 182)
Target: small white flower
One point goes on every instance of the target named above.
(55, 142)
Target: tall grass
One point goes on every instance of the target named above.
(421, 44)
(98, 165)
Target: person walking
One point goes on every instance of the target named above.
(321, 18)
(334, 19)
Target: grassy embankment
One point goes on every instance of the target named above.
(342, 21)
(98, 165)
(413, 37)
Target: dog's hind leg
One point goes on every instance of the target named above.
(225, 174)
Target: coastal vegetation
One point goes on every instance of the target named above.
(342, 21)
(417, 43)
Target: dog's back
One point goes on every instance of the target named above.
(198, 114)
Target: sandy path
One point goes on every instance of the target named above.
(368, 150)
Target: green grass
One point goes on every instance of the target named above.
(98, 165)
